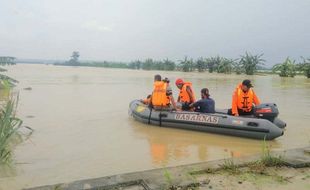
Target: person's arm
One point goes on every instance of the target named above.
(234, 108)
(190, 93)
(195, 105)
(173, 102)
(169, 93)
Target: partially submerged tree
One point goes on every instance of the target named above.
(250, 62)
(285, 69)
(200, 65)
(225, 66)
(186, 65)
(305, 67)
(74, 58)
(169, 65)
(237, 67)
(212, 63)
(148, 64)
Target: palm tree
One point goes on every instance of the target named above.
(186, 65)
(286, 69)
(200, 65)
(168, 65)
(225, 66)
(250, 62)
(148, 64)
(135, 65)
(212, 63)
(237, 67)
(305, 67)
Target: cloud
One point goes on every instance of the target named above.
(94, 25)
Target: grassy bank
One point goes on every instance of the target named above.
(9, 125)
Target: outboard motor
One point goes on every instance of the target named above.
(267, 111)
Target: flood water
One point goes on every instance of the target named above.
(82, 127)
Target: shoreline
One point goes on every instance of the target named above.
(206, 175)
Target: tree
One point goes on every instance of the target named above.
(135, 65)
(285, 69)
(168, 65)
(200, 65)
(305, 67)
(187, 65)
(237, 67)
(74, 58)
(148, 64)
(250, 62)
(225, 66)
(212, 63)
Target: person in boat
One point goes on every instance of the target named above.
(243, 99)
(186, 94)
(162, 98)
(147, 100)
(205, 104)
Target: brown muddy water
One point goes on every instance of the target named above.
(82, 127)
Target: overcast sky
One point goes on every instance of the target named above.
(125, 30)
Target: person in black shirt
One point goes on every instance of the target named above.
(205, 104)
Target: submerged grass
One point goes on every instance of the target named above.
(230, 166)
(9, 124)
(269, 160)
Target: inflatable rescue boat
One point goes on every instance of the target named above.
(264, 124)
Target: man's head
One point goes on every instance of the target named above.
(204, 93)
(246, 85)
(157, 78)
(179, 82)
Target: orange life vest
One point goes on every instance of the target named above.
(184, 96)
(159, 96)
(244, 100)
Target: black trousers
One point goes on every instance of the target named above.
(241, 112)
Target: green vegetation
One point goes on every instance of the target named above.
(187, 65)
(169, 181)
(74, 58)
(201, 65)
(285, 69)
(9, 124)
(250, 62)
(267, 159)
(229, 166)
(225, 66)
(305, 67)
(5, 81)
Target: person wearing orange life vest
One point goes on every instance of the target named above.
(162, 94)
(243, 99)
(186, 94)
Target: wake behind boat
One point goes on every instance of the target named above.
(263, 125)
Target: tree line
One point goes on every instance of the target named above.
(248, 64)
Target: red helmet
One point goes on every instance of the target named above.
(179, 81)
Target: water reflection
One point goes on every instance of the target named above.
(169, 146)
